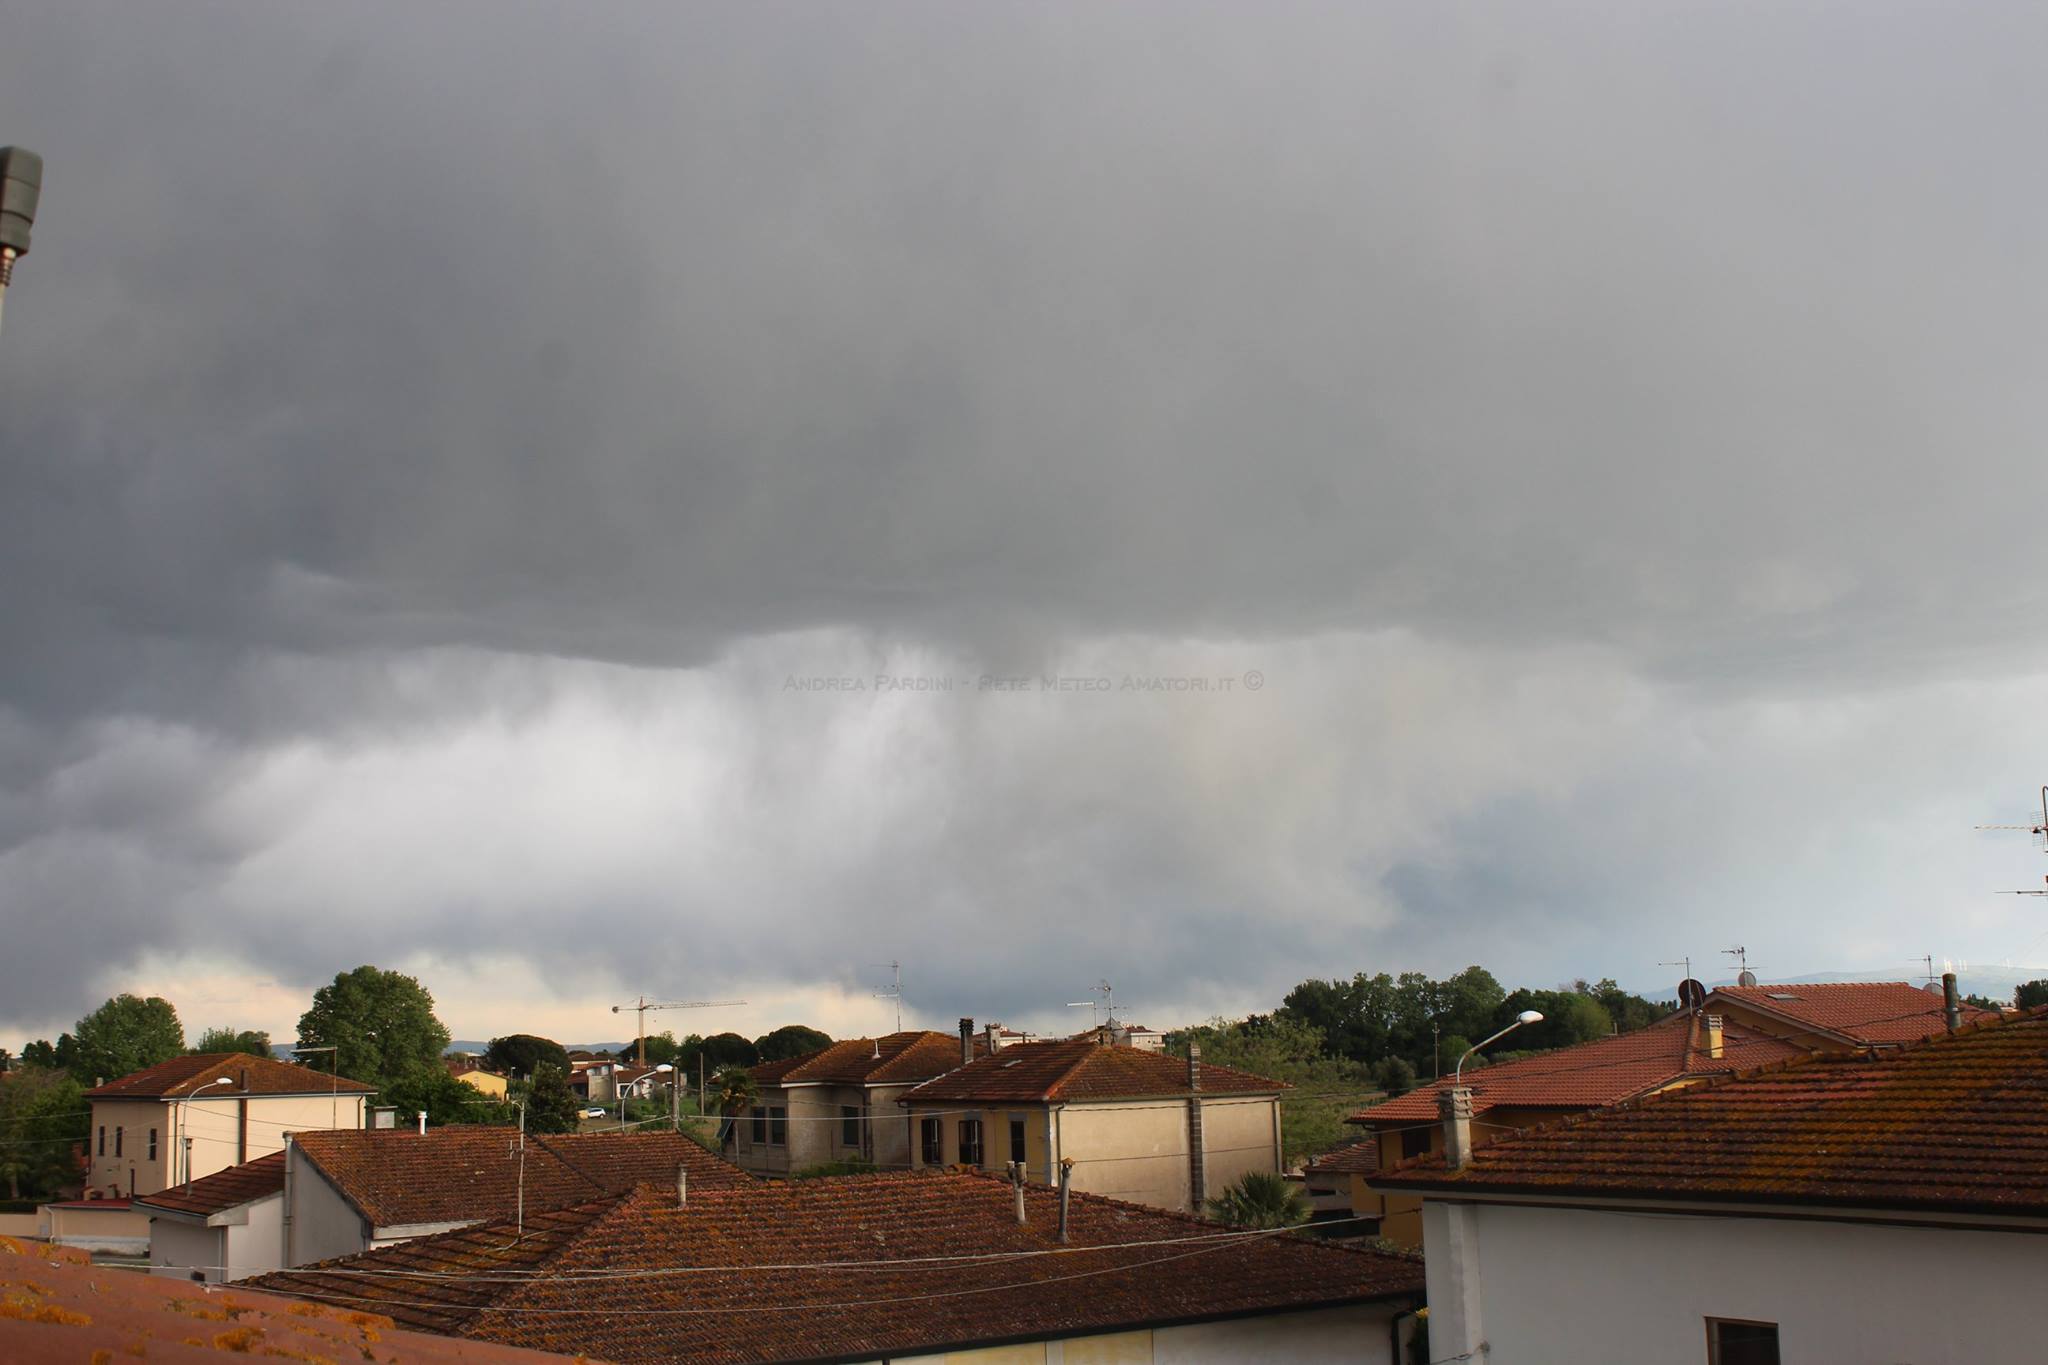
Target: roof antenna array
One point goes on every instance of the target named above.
(2040, 831)
(1106, 1006)
(895, 993)
(1743, 975)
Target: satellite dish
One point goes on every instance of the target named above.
(1691, 994)
(1934, 988)
(1745, 978)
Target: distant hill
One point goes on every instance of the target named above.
(472, 1045)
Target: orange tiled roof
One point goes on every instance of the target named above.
(715, 1306)
(1360, 1158)
(896, 1059)
(459, 1174)
(1954, 1124)
(182, 1076)
(1082, 1070)
(1589, 1075)
(1859, 1011)
(223, 1190)
(63, 1307)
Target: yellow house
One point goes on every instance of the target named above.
(839, 1103)
(1137, 1125)
(472, 1074)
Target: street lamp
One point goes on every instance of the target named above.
(1525, 1017)
(658, 1066)
(185, 1136)
(21, 188)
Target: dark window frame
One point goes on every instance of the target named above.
(970, 1142)
(1748, 1348)
(1415, 1141)
(757, 1128)
(778, 1126)
(1019, 1139)
(849, 1125)
(152, 1144)
(118, 1131)
(103, 1139)
(931, 1137)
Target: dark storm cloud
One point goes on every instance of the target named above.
(360, 349)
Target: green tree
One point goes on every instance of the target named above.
(1262, 1199)
(382, 1022)
(661, 1047)
(729, 1049)
(253, 1041)
(445, 1099)
(732, 1089)
(125, 1035)
(523, 1053)
(6, 1060)
(2031, 995)
(551, 1105)
(1394, 1075)
(44, 1119)
(45, 1054)
(791, 1040)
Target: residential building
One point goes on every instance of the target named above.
(191, 1116)
(900, 1267)
(56, 1305)
(839, 1103)
(224, 1226)
(350, 1191)
(1119, 1034)
(1840, 1208)
(477, 1076)
(1841, 1016)
(1681, 1049)
(1158, 1130)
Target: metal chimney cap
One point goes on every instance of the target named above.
(21, 189)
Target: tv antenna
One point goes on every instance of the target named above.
(1743, 975)
(1107, 1005)
(895, 990)
(2040, 831)
(1691, 994)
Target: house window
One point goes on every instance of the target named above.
(152, 1144)
(849, 1125)
(970, 1142)
(1016, 1139)
(931, 1137)
(760, 1126)
(117, 1139)
(778, 1126)
(1733, 1341)
(1415, 1141)
(103, 1139)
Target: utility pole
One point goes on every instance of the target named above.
(21, 189)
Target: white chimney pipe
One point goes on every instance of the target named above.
(1455, 1105)
(423, 1123)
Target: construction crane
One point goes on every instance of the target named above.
(643, 1004)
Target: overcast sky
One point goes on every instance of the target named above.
(1550, 485)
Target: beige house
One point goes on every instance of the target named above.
(191, 1116)
(1137, 1125)
(346, 1192)
(840, 1103)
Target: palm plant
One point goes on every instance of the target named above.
(1262, 1199)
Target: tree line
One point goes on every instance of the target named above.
(370, 1025)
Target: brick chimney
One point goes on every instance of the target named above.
(1716, 1048)
(1198, 1165)
(989, 1036)
(1454, 1104)
(966, 1041)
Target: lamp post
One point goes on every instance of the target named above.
(1525, 1017)
(184, 1137)
(21, 187)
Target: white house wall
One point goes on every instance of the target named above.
(1359, 1334)
(1557, 1284)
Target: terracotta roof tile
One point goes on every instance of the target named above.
(903, 1058)
(398, 1177)
(1082, 1070)
(258, 1179)
(181, 1076)
(64, 1308)
(1953, 1124)
(1864, 1011)
(1360, 1158)
(725, 1285)
(1588, 1075)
